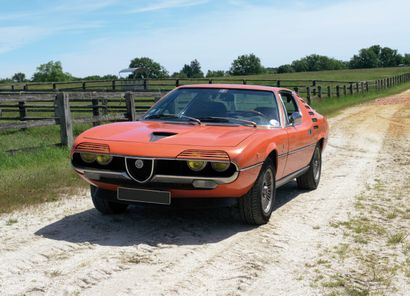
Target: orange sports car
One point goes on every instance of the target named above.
(205, 141)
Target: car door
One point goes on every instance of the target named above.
(300, 134)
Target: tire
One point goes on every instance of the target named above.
(254, 208)
(103, 205)
(310, 180)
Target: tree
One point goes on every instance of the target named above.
(148, 68)
(19, 77)
(193, 70)
(317, 62)
(246, 65)
(50, 72)
(216, 73)
(406, 59)
(390, 57)
(286, 69)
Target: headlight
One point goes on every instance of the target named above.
(196, 165)
(88, 157)
(104, 159)
(220, 166)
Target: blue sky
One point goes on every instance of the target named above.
(102, 36)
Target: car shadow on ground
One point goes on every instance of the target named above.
(183, 224)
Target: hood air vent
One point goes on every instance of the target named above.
(155, 136)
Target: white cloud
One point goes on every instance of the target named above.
(168, 4)
(83, 6)
(18, 36)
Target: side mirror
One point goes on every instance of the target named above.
(295, 118)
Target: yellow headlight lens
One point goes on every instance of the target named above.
(220, 166)
(196, 165)
(88, 157)
(104, 159)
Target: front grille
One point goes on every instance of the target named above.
(140, 170)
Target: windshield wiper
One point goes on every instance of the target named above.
(159, 116)
(228, 119)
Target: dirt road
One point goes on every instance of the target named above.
(67, 248)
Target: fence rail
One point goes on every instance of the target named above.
(22, 109)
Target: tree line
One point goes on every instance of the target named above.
(249, 64)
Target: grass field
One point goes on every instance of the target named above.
(168, 84)
(340, 75)
(44, 174)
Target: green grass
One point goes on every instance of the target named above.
(342, 75)
(330, 106)
(335, 75)
(38, 175)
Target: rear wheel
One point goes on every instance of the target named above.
(100, 198)
(310, 180)
(257, 205)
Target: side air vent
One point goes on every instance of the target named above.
(155, 136)
(93, 147)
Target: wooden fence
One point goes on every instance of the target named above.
(21, 110)
(65, 109)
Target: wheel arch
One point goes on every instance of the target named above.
(273, 156)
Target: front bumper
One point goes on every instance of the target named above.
(180, 186)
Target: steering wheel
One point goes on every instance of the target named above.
(251, 113)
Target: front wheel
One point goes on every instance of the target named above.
(100, 198)
(257, 205)
(310, 180)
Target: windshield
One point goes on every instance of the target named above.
(233, 106)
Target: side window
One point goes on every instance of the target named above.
(289, 104)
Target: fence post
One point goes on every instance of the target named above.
(22, 110)
(308, 96)
(337, 91)
(278, 83)
(129, 100)
(344, 90)
(177, 83)
(362, 87)
(319, 91)
(54, 86)
(210, 81)
(296, 89)
(62, 112)
(244, 81)
(366, 84)
(314, 87)
(351, 88)
(13, 87)
(96, 111)
(113, 84)
(25, 87)
(357, 87)
(145, 84)
(329, 91)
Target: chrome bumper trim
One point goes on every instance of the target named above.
(252, 167)
(97, 174)
(190, 179)
(103, 173)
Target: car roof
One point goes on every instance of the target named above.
(235, 86)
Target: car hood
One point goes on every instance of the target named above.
(171, 133)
